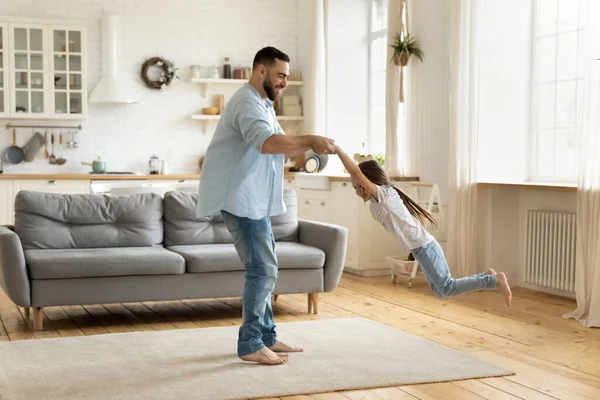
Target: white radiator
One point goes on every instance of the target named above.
(550, 252)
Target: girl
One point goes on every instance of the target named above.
(400, 215)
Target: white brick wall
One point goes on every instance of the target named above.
(185, 31)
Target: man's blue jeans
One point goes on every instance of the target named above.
(255, 244)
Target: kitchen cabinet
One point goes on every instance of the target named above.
(67, 67)
(315, 205)
(6, 203)
(42, 71)
(28, 71)
(52, 186)
(4, 98)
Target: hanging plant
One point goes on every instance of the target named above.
(404, 47)
(166, 73)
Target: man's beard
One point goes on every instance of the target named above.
(269, 89)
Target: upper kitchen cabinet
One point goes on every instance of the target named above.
(3, 72)
(28, 71)
(45, 68)
(68, 97)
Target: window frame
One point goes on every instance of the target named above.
(534, 174)
(382, 33)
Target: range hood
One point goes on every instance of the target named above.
(111, 88)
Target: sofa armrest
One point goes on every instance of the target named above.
(13, 271)
(332, 239)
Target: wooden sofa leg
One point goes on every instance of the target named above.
(275, 297)
(27, 318)
(313, 303)
(38, 318)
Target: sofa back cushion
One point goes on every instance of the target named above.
(182, 227)
(67, 221)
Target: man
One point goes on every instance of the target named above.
(242, 179)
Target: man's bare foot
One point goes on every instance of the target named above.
(503, 288)
(490, 272)
(280, 346)
(266, 356)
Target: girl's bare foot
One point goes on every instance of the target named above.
(490, 272)
(266, 356)
(503, 288)
(280, 346)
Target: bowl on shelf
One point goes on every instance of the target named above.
(210, 110)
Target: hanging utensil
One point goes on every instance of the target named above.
(46, 154)
(61, 160)
(14, 154)
(52, 156)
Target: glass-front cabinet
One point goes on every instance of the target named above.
(69, 85)
(45, 71)
(4, 98)
(29, 95)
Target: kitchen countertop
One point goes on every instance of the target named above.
(341, 177)
(288, 175)
(103, 177)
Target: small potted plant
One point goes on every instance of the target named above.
(404, 47)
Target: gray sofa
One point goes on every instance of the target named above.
(92, 249)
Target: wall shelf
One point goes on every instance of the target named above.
(208, 118)
(215, 117)
(205, 83)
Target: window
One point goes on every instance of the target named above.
(557, 88)
(378, 36)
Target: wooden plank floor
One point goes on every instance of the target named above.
(553, 358)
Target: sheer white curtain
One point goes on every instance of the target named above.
(587, 253)
(314, 98)
(462, 190)
(395, 131)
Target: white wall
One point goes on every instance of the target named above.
(185, 31)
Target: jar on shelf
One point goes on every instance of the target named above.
(214, 72)
(196, 71)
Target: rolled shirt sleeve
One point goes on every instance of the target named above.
(250, 119)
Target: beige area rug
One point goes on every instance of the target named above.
(341, 354)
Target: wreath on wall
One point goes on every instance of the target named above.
(166, 76)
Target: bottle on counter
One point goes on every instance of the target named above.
(227, 69)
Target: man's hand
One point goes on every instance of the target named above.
(322, 145)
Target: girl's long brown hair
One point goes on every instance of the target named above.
(375, 173)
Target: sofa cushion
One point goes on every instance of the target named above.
(224, 257)
(86, 263)
(182, 227)
(67, 221)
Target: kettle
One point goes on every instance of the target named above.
(154, 164)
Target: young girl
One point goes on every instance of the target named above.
(400, 215)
